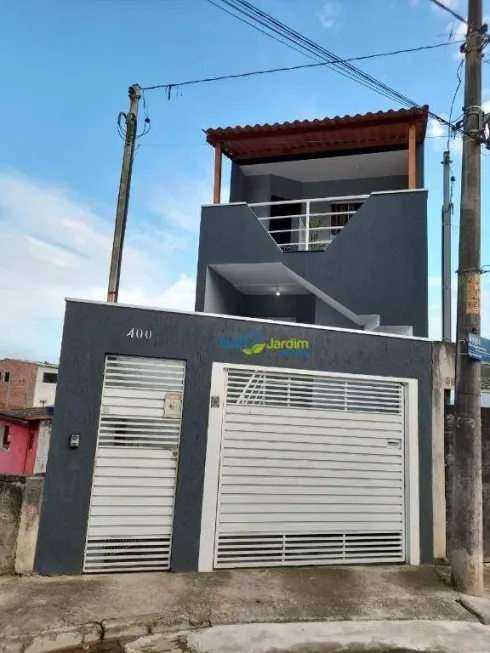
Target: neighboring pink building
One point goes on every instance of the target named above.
(24, 440)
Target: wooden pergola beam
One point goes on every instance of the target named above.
(412, 157)
(218, 158)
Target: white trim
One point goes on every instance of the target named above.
(374, 192)
(401, 190)
(326, 299)
(319, 327)
(305, 200)
(211, 471)
(94, 461)
(206, 206)
(412, 528)
(213, 458)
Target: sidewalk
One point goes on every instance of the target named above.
(155, 602)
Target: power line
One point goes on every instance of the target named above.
(308, 142)
(258, 29)
(310, 47)
(268, 71)
(458, 73)
(332, 60)
(441, 5)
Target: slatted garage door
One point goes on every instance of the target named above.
(132, 503)
(311, 472)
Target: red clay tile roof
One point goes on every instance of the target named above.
(371, 130)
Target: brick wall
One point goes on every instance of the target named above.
(449, 458)
(19, 391)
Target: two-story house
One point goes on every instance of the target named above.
(326, 223)
(283, 422)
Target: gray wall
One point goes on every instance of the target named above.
(302, 307)
(328, 316)
(221, 296)
(91, 331)
(376, 265)
(261, 188)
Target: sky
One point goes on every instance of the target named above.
(67, 68)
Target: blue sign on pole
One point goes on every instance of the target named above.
(479, 348)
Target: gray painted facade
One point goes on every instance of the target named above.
(91, 331)
(261, 188)
(377, 264)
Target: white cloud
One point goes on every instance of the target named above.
(54, 245)
(178, 208)
(330, 14)
(486, 101)
(436, 129)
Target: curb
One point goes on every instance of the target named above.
(53, 640)
(128, 628)
(106, 630)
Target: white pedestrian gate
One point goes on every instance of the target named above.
(133, 491)
(311, 470)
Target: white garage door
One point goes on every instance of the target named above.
(133, 492)
(311, 470)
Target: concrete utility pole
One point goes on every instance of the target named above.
(131, 119)
(467, 552)
(446, 251)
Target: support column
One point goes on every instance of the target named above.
(412, 157)
(217, 174)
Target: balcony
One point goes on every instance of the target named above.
(308, 224)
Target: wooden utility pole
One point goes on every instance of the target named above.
(131, 119)
(466, 555)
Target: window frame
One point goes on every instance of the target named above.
(50, 374)
(5, 437)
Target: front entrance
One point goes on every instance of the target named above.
(310, 468)
(133, 490)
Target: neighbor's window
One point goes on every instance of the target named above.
(50, 377)
(6, 377)
(5, 437)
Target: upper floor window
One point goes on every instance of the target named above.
(50, 377)
(5, 437)
(6, 377)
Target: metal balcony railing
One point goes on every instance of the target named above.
(307, 225)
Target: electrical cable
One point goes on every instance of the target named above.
(275, 142)
(298, 67)
(332, 60)
(441, 5)
(461, 19)
(458, 86)
(258, 29)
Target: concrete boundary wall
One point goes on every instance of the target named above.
(92, 331)
(20, 501)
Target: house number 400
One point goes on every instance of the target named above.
(140, 334)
